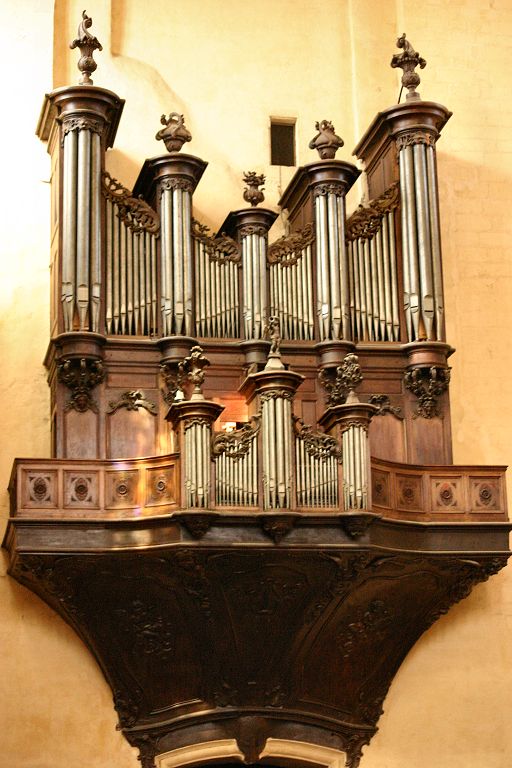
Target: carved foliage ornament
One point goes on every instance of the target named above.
(409, 139)
(173, 381)
(192, 368)
(253, 229)
(366, 221)
(238, 443)
(87, 44)
(427, 384)
(329, 189)
(133, 211)
(175, 133)
(317, 443)
(80, 124)
(288, 249)
(220, 249)
(132, 401)
(326, 142)
(80, 375)
(346, 378)
(252, 192)
(170, 183)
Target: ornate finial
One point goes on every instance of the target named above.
(252, 193)
(408, 61)
(192, 368)
(175, 133)
(87, 44)
(326, 141)
(341, 388)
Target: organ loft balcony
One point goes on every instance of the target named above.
(251, 512)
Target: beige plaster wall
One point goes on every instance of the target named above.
(229, 66)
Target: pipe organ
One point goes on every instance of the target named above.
(261, 508)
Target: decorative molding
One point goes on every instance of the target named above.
(410, 138)
(253, 229)
(196, 421)
(132, 400)
(288, 249)
(252, 192)
(384, 406)
(80, 124)
(427, 384)
(87, 44)
(366, 221)
(80, 375)
(326, 142)
(238, 443)
(329, 189)
(274, 394)
(133, 211)
(175, 133)
(317, 443)
(172, 182)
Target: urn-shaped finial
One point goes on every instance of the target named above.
(87, 44)
(175, 133)
(252, 193)
(326, 142)
(408, 61)
(192, 368)
(342, 385)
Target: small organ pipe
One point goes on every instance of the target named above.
(424, 241)
(69, 203)
(83, 233)
(435, 232)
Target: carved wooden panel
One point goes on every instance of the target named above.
(485, 494)
(447, 494)
(161, 486)
(409, 493)
(81, 490)
(39, 489)
(121, 488)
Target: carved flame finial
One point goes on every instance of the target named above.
(192, 368)
(175, 133)
(252, 193)
(326, 142)
(87, 44)
(408, 61)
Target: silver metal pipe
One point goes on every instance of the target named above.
(323, 309)
(95, 232)
(123, 251)
(334, 266)
(388, 310)
(83, 232)
(411, 255)
(381, 285)
(394, 279)
(424, 240)
(69, 202)
(108, 259)
(343, 261)
(433, 205)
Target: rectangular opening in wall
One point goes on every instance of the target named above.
(282, 141)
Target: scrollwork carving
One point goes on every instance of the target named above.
(384, 406)
(366, 221)
(317, 443)
(151, 633)
(273, 394)
(220, 249)
(80, 375)
(236, 444)
(173, 381)
(132, 401)
(369, 621)
(427, 384)
(288, 249)
(133, 211)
